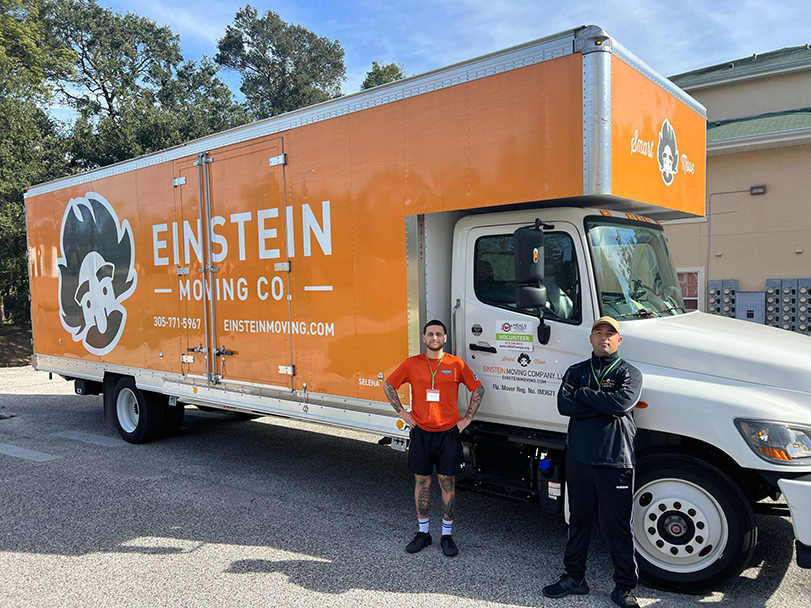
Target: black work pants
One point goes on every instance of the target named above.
(613, 490)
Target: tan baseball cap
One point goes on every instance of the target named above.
(606, 321)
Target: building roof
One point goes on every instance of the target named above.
(775, 122)
(790, 59)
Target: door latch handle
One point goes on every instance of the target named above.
(484, 349)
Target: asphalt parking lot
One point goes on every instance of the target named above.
(272, 512)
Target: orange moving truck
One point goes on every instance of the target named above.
(287, 266)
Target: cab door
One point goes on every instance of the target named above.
(521, 376)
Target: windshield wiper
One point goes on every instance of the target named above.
(639, 314)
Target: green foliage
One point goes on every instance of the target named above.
(116, 55)
(382, 74)
(28, 55)
(31, 150)
(283, 66)
(132, 91)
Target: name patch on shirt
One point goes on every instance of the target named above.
(446, 371)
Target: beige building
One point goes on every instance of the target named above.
(758, 134)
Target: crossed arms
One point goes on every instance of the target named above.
(583, 402)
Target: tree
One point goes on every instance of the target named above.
(31, 149)
(116, 55)
(382, 74)
(283, 66)
(132, 92)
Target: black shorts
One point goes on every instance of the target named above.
(442, 449)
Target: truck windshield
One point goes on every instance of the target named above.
(635, 274)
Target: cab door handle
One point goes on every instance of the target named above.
(484, 349)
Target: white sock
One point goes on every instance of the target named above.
(423, 524)
(447, 527)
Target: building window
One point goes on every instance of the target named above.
(691, 281)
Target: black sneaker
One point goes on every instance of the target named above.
(448, 546)
(567, 585)
(623, 597)
(420, 541)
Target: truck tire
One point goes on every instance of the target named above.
(693, 527)
(138, 414)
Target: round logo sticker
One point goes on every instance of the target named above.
(476, 330)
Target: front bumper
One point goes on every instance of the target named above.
(798, 496)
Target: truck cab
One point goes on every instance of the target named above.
(725, 412)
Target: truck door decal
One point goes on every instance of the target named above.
(96, 272)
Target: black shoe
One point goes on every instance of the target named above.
(567, 585)
(623, 597)
(448, 546)
(420, 541)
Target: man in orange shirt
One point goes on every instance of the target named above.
(436, 427)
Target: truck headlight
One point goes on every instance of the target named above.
(776, 441)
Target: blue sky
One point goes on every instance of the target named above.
(672, 37)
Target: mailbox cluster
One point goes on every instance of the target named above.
(722, 297)
(786, 303)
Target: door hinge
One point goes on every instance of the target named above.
(181, 270)
(281, 159)
(282, 266)
(287, 370)
(178, 181)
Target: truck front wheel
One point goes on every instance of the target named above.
(693, 527)
(138, 414)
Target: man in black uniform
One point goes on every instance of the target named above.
(599, 396)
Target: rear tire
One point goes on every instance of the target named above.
(693, 528)
(138, 414)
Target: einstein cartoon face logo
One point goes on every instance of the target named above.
(667, 153)
(96, 272)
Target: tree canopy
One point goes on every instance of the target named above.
(31, 149)
(283, 66)
(130, 87)
(382, 74)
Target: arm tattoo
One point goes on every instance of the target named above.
(391, 395)
(475, 402)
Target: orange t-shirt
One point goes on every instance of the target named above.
(449, 372)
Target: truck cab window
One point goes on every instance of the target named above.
(634, 271)
(494, 274)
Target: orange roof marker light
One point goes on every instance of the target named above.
(604, 212)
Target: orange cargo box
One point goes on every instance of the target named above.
(271, 259)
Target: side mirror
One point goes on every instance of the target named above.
(529, 260)
(529, 267)
(530, 296)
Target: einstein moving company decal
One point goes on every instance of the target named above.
(96, 272)
(665, 150)
(514, 335)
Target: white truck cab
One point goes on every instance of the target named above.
(725, 412)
